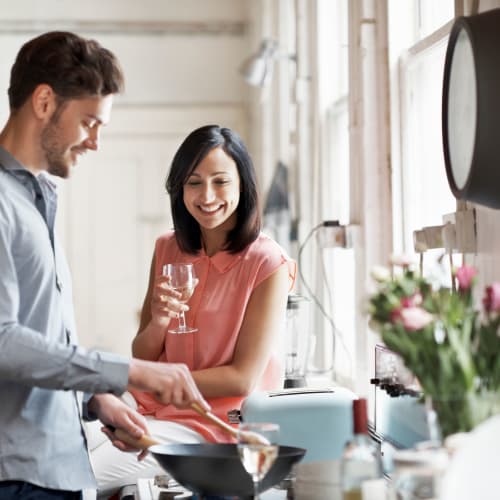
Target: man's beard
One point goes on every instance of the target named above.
(52, 147)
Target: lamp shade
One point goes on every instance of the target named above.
(257, 70)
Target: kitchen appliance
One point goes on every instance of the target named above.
(400, 418)
(296, 341)
(319, 420)
(216, 469)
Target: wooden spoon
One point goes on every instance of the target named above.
(146, 440)
(143, 443)
(250, 437)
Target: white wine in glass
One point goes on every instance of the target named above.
(182, 280)
(258, 455)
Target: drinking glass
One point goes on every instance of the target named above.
(183, 280)
(258, 448)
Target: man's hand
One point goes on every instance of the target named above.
(114, 412)
(170, 383)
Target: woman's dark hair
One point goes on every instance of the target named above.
(73, 66)
(190, 153)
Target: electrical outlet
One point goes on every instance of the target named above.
(336, 235)
(466, 231)
(456, 235)
(428, 238)
(332, 236)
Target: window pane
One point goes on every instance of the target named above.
(434, 14)
(334, 284)
(425, 192)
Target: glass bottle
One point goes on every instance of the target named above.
(361, 459)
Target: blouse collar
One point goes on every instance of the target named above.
(222, 261)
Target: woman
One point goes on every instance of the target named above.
(238, 305)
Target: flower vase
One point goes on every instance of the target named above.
(433, 426)
(461, 414)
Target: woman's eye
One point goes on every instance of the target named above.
(217, 182)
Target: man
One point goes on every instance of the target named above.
(60, 94)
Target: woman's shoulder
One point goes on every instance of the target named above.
(166, 242)
(167, 237)
(264, 245)
(268, 255)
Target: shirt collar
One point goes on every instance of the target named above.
(20, 172)
(8, 162)
(222, 261)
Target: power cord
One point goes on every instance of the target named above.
(336, 333)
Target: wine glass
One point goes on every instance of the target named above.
(183, 280)
(258, 449)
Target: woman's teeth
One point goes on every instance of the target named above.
(209, 210)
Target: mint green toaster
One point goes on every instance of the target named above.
(318, 420)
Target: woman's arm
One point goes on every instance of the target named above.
(159, 307)
(262, 323)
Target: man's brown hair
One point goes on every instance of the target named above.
(73, 66)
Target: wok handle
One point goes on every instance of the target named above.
(214, 419)
(143, 443)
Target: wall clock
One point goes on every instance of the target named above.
(471, 109)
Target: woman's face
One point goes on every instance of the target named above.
(212, 191)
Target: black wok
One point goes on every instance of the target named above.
(216, 469)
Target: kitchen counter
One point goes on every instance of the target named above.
(472, 473)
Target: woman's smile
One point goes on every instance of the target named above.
(212, 191)
(211, 209)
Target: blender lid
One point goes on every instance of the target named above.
(294, 300)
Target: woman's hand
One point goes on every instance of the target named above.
(165, 303)
(161, 304)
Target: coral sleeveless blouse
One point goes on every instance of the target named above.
(217, 309)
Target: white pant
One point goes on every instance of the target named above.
(114, 468)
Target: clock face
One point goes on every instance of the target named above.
(471, 109)
(461, 109)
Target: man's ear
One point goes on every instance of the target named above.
(43, 100)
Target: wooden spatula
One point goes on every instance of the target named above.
(146, 440)
(141, 444)
(251, 437)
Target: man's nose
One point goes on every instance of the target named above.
(92, 141)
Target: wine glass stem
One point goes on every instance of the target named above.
(182, 321)
(256, 495)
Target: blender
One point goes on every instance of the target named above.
(296, 341)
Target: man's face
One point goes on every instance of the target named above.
(72, 130)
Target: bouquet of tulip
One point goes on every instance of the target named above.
(452, 348)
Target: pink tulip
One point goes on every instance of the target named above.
(465, 275)
(414, 300)
(491, 299)
(413, 318)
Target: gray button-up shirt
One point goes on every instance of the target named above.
(41, 366)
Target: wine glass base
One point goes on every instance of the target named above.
(188, 329)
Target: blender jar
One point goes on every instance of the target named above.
(296, 341)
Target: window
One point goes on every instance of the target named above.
(335, 266)
(418, 36)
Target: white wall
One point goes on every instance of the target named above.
(180, 59)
